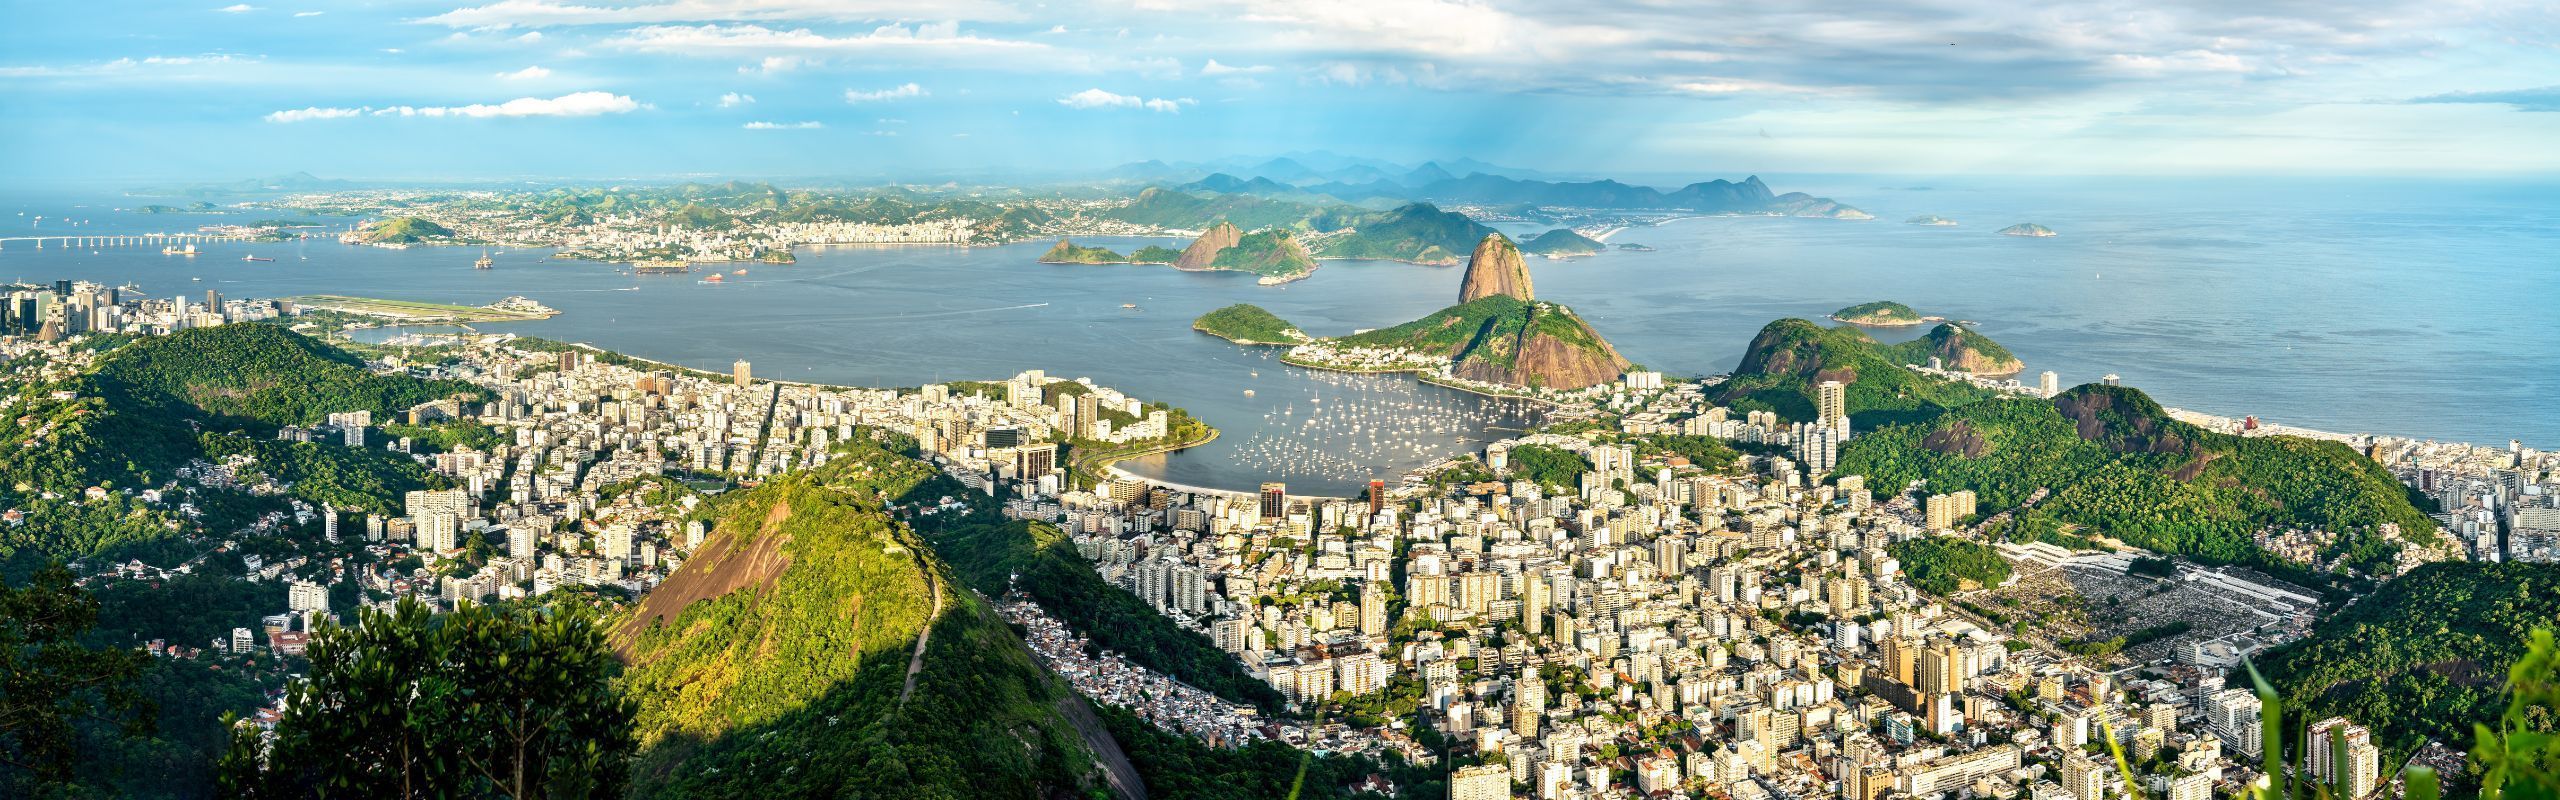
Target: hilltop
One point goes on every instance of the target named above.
(1789, 358)
(777, 659)
(1068, 252)
(1503, 339)
(2118, 466)
(1959, 350)
(1879, 314)
(1245, 323)
(1418, 233)
(1273, 254)
(2027, 229)
(1495, 268)
(404, 230)
(1563, 242)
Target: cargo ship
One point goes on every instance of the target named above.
(255, 258)
(658, 267)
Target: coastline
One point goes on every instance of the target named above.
(1425, 375)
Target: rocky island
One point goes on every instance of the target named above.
(1246, 323)
(1563, 243)
(2027, 229)
(1881, 314)
(1931, 220)
(1498, 336)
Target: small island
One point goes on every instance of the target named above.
(1634, 248)
(1882, 314)
(1562, 243)
(1932, 220)
(1272, 254)
(2027, 229)
(1246, 323)
(191, 208)
(1068, 252)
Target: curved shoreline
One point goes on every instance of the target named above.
(1425, 375)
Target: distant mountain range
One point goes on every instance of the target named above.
(1363, 184)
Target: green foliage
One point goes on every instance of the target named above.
(50, 682)
(1180, 768)
(1270, 253)
(2420, 658)
(405, 230)
(1246, 323)
(2520, 758)
(2122, 468)
(520, 702)
(446, 436)
(1881, 312)
(254, 377)
(1167, 208)
(1416, 232)
(992, 553)
(1943, 565)
(1155, 254)
(352, 479)
(2153, 566)
(1705, 452)
(2108, 647)
(1067, 252)
(1790, 358)
(793, 681)
(1548, 466)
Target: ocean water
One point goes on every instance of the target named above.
(2415, 308)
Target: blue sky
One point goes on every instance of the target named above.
(657, 88)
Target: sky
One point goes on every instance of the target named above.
(107, 90)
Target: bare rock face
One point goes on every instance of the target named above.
(1535, 355)
(1204, 250)
(1495, 268)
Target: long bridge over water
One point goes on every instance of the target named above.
(124, 239)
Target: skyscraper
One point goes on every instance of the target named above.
(738, 373)
(1834, 407)
(1377, 496)
(1275, 501)
(2048, 384)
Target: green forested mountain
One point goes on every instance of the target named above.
(405, 230)
(776, 661)
(2118, 466)
(1506, 340)
(1417, 232)
(1562, 242)
(1791, 357)
(2424, 656)
(160, 402)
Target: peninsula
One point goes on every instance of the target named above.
(1499, 336)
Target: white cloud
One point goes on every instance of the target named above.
(312, 113)
(899, 92)
(1215, 68)
(905, 40)
(124, 66)
(308, 13)
(734, 100)
(1097, 98)
(530, 37)
(884, 133)
(784, 126)
(526, 74)
(775, 64)
(543, 13)
(575, 104)
(237, 8)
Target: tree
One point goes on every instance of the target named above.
(519, 702)
(50, 683)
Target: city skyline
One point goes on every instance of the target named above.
(555, 88)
